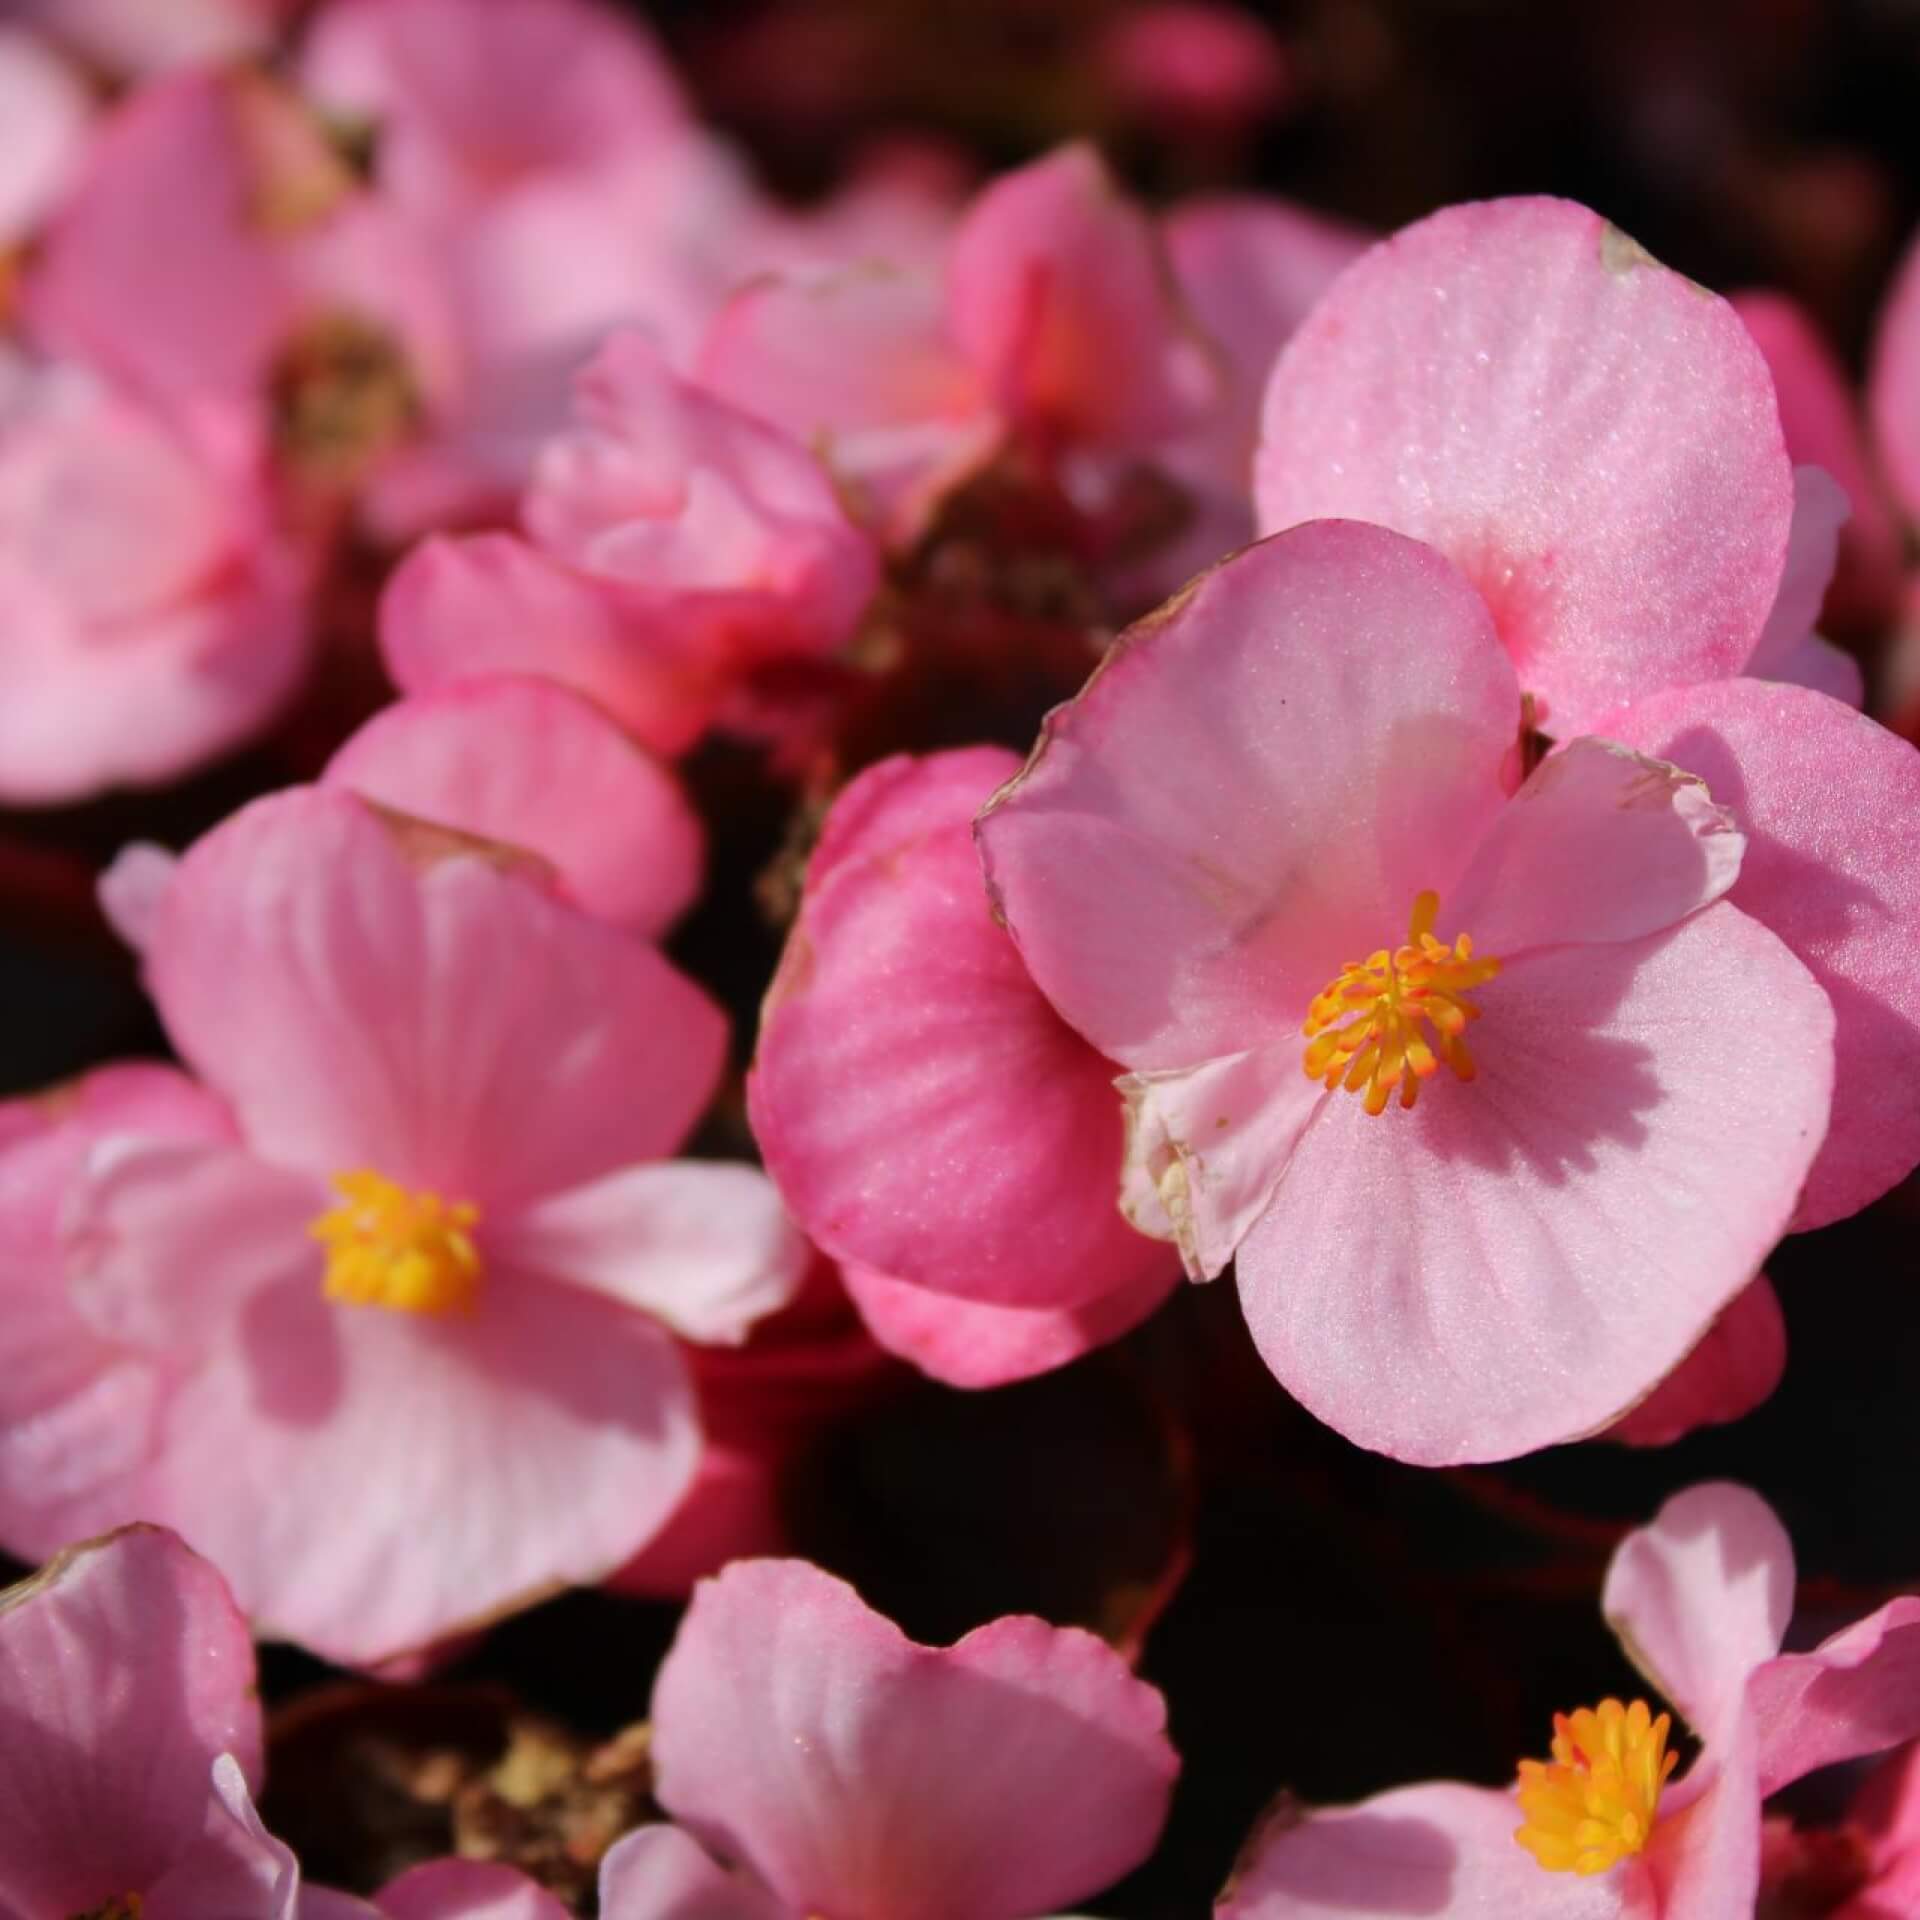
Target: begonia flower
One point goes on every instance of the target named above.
(152, 613)
(386, 1322)
(46, 110)
(816, 1760)
(929, 1118)
(139, 37)
(676, 544)
(1458, 1076)
(1591, 438)
(132, 1739)
(1700, 1599)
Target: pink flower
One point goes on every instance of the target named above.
(930, 1119)
(676, 545)
(151, 614)
(416, 1265)
(46, 111)
(1592, 439)
(1456, 1237)
(815, 1760)
(1700, 1600)
(133, 1734)
(1893, 385)
(135, 37)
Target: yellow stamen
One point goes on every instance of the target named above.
(387, 1247)
(1363, 1028)
(1593, 1803)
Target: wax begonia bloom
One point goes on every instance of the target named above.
(1592, 439)
(45, 109)
(151, 613)
(903, 1046)
(1307, 759)
(1700, 1599)
(1820, 417)
(676, 544)
(1059, 297)
(1736, 1367)
(427, 1282)
(1828, 801)
(816, 1760)
(133, 1730)
(529, 763)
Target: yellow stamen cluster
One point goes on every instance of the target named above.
(1593, 1803)
(1364, 1027)
(387, 1247)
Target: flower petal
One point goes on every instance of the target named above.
(1515, 1261)
(236, 1870)
(467, 1890)
(1590, 437)
(1251, 790)
(1830, 804)
(1700, 1598)
(660, 1873)
(1736, 1366)
(799, 1732)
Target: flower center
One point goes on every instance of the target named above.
(387, 1247)
(127, 1907)
(1593, 1803)
(1364, 1026)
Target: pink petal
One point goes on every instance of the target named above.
(1700, 1598)
(703, 1246)
(1820, 510)
(1590, 437)
(1057, 293)
(1830, 803)
(44, 107)
(449, 1027)
(1252, 789)
(1516, 1261)
(1858, 1692)
(458, 609)
(1600, 844)
(124, 1670)
(166, 1240)
(1736, 1367)
(660, 1873)
(1820, 415)
(903, 1047)
(528, 762)
(962, 1343)
(236, 1871)
(800, 1733)
(1210, 1143)
(466, 1890)
(466, 1465)
(1703, 1859)
(1893, 385)
(131, 888)
(1432, 1849)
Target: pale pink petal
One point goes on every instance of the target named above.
(464, 1465)
(704, 1246)
(131, 888)
(903, 1048)
(1830, 804)
(135, 37)
(1858, 1692)
(45, 108)
(1736, 1366)
(466, 1890)
(166, 1240)
(323, 1903)
(1058, 294)
(236, 1870)
(660, 1873)
(1893, 385)
(456, 609)
(1703, 1859)
(1245, 796)
(1821, 417)
(449, 1027)
(1700, 1598)
(1211, 1143)
(962, 1343)
(799, 1733)
(124, 1670)
(1516, 1261)
(1427, 1850)
(530, 763)
(1589, 436)
(1820, 510)
(1600, 843)
(1827, 669)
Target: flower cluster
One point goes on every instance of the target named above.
(1455, 888)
